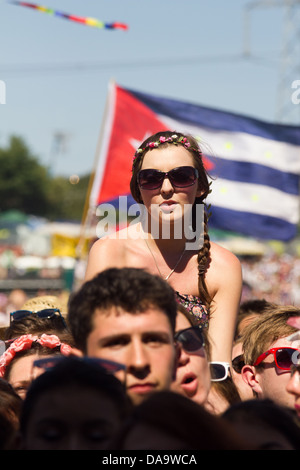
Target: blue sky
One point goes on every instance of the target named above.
(57, 72)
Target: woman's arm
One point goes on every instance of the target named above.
(225, 278)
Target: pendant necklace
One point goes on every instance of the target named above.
(172, 270)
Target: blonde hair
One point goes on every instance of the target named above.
(267, 328)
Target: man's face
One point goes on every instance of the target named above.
(272, 381)
(143, 342)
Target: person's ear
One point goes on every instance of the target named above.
(200, 192)
(250, 376)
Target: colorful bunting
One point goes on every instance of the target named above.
(78, 19)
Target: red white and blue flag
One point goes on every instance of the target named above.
(254, 165)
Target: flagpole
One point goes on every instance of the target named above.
(88, 211)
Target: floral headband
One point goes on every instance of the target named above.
(173, 139)
(25, 342)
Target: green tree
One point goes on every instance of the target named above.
(27, 186)
(66, 199)
(24, 183)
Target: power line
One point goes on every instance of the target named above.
(71, 67)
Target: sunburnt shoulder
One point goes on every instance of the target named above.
(113, 251)
(224, 269)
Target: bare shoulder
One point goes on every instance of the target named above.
(106, 245)
(105, 253)
(221, 257)
(115, 250)
(114, 243)
(224, 270)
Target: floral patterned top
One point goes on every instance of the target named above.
(195, 307)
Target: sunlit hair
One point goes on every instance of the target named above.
(203, 185)
(267, 328)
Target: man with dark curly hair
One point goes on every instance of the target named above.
(128, 316)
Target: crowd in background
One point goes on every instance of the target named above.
(273, 277)
(50, 366)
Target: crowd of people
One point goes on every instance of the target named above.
(155, 350)
(272, 276)
(139, 366)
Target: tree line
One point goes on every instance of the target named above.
(27, 186)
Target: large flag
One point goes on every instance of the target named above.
(254, 165)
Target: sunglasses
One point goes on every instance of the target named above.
(219, 371)
(180, 177)
(46, 313)
(238, 363)
(284, 357)
(191, 339)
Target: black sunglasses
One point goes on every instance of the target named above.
(180, 177)
(46, 313)
(238, 363)
(191, 339)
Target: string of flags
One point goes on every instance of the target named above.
(93, 22)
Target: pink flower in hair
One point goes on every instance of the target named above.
(49, 341)
(25, 342)
(53, 341)
(65, 349)
(20, 344)
(173, 139)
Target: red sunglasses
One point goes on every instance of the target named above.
(283, 357)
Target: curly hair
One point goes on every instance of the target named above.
(132, 289)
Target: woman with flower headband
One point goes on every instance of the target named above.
(170, 182)
(16, 363)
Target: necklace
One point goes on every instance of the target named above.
(172, 270)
